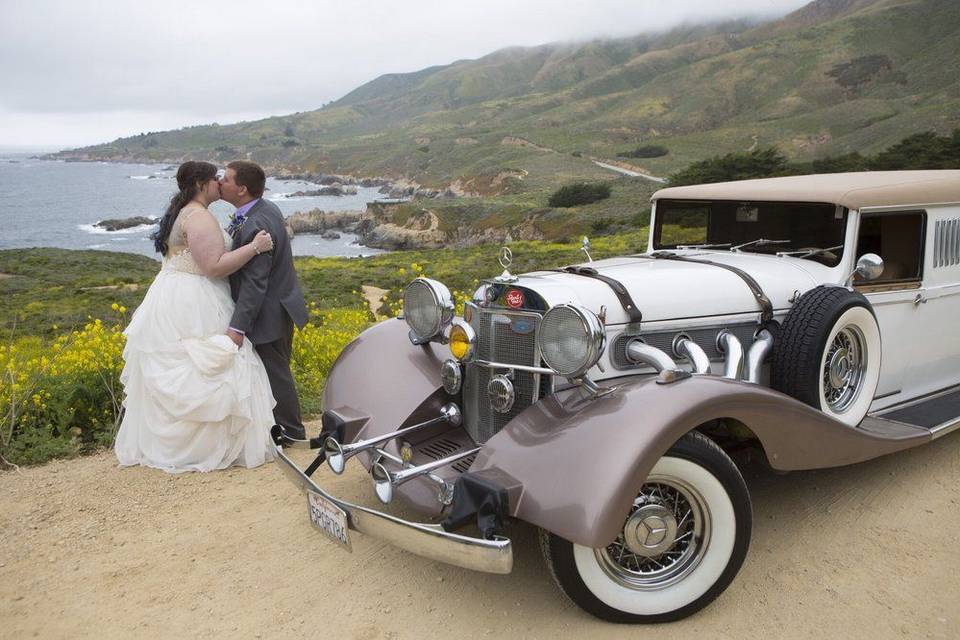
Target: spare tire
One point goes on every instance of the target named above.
(828, 353)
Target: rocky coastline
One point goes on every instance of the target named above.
(403, 226)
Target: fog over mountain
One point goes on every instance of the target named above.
(79, 73)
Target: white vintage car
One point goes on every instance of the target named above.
(813, 317)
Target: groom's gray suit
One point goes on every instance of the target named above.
(269, 303)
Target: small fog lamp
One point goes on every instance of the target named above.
(462, 339)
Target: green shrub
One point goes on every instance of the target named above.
(646, 151)
(579, 193)
(760, 163)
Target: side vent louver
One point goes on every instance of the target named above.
(946, 243)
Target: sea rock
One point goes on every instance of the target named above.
(336, 189)
(125, 223)
(330, 235)
(316, 221)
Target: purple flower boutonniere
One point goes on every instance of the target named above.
(235, 223)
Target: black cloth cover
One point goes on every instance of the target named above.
(475, 497)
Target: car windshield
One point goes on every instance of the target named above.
(812, 231)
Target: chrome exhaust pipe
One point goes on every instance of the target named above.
(338, 454)
(639, 352)
(757, 354)
(729, 345)
(687, 348)
(384, 480)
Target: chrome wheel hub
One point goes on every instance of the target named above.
(650, 531)
(663, 539)
(844, 368)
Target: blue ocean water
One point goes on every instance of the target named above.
(47, 203)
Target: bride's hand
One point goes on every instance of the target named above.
(263, 242)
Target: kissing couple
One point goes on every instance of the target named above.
(207, 359)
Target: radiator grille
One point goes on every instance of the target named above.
(706, 338)
(503, 336)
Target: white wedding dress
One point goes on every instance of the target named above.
(194, 402)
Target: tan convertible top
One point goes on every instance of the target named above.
(851, 190)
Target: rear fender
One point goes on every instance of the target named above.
(573, 464)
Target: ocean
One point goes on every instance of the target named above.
(49, 203)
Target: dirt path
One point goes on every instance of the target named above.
(90, 550)
(373, 295)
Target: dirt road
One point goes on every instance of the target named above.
(90, 550)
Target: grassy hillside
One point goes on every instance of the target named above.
(834, 77)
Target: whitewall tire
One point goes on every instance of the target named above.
(682, 543)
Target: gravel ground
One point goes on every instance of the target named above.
(90, 550)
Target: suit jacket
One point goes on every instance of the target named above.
(266, 289)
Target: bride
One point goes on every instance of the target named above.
(193, 400)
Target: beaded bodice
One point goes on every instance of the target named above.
(178, 256)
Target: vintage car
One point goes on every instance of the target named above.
(812, 317)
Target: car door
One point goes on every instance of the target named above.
(899, 238)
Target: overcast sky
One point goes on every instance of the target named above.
(77, 72)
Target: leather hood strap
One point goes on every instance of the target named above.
(766, 307)
(615, 285)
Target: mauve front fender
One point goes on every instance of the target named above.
(573, 464)
(384, 377)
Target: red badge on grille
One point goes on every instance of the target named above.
(514, 298)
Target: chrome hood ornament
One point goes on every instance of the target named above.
(505, 258)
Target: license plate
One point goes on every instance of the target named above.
(329, 518)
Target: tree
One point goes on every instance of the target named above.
(760, 163)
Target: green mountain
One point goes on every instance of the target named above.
(834, 77)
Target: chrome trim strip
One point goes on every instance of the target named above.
(427, 540)
(909, 403)
(944, 428)
(518, 367)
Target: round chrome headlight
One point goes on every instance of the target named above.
(571, 339)
(427, 308)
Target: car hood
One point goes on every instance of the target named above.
(671, 289)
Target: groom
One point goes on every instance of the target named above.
(266, 289)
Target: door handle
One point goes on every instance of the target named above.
(919, 300)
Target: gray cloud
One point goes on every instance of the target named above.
(82, 72)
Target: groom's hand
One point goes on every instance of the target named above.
(236, 336)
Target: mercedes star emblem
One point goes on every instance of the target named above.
(506, 257)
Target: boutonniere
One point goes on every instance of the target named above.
(235, 223)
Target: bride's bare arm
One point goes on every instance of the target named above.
(205, 240)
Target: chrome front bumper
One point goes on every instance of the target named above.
(427, 540)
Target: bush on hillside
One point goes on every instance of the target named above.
(579, 193)
(759, 163)
(646, 151)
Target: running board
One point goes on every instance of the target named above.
(938, 413)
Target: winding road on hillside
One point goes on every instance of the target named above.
(629, 172)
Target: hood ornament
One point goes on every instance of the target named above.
(505, 258)
(585, 247)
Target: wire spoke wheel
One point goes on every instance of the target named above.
(663, 537)
(843, 368)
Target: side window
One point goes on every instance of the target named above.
(898, 239)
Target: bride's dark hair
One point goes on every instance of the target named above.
(190, 177)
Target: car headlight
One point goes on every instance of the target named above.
(427, 308)
(461, 339)
(571, 339)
